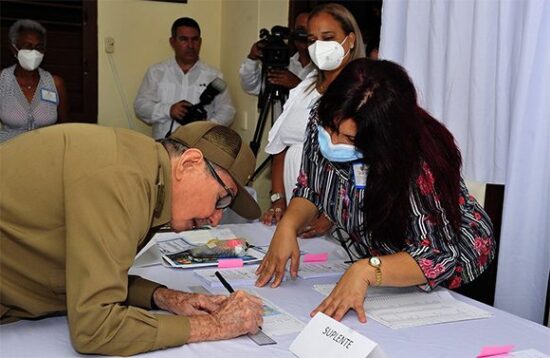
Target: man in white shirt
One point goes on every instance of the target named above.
(298, 68)
(170, 88)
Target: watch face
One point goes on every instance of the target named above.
(375, 261)
(275, 197)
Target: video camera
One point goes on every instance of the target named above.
(276, 52)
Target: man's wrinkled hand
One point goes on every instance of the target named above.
(241, 313)
(187, 304)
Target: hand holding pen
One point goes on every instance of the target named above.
(240, 314)
(243, 295)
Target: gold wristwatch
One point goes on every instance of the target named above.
(376, 263)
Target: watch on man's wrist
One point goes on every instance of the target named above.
(376, 263)
(276, 196)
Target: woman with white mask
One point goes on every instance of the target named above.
(334, 40)
(30, 97)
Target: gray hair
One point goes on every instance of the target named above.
(25, 25)
(176, 149)
(173, 147)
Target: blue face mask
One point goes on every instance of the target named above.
(336, 152)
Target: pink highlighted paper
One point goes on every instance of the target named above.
(230, 263)
(320, 257)
(495, 351)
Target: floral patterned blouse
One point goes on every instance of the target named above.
(446, 257)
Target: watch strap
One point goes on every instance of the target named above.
(377, 271)
(276, 196)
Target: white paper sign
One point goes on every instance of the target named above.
(326, 337)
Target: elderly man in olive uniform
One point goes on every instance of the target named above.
(76, 203)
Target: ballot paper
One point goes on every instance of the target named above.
(242, 276)
(528, 353)
(246, 276)
(278, 322)
(403, 308)
(322, 269)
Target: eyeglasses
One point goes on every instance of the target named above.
(354, 248)
(226, 201)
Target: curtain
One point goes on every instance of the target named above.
(483, 68)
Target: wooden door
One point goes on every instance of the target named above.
(71, 48)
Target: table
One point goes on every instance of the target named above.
(50, 337)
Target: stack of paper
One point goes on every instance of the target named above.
(242, 276)
(322, 269)
(277, 322)
(409, 307)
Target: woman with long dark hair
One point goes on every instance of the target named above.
(388, 174)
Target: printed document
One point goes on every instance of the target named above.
(322, 269)
(278, 322)
(242, 276)
(409, 307)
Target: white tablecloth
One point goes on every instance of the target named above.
(50, 337)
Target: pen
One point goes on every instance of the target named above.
(224, 282)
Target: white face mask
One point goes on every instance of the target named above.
(327, 55)
(29, 59)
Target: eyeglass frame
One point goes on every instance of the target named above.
(220, 203)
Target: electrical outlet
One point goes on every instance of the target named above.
(244, 120)
(109, 45)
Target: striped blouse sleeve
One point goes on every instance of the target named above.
(309, 168)
(447, 257)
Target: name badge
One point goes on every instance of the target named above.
(48, 96)
(360, 175)
(326, 337)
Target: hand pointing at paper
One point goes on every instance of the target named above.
(284, 245)
(349, 293)
(397, 270)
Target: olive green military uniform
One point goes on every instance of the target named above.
(76, 202)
